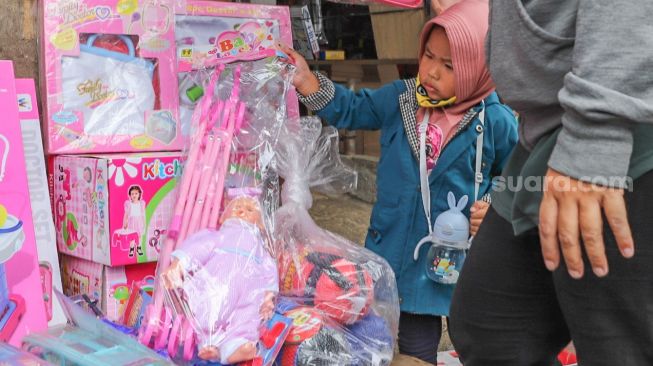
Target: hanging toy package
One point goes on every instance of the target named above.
(240, 36)
(210, 32)
(216, 278)
(109, 76)
(342, 298)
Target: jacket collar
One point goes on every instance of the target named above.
(408, 106)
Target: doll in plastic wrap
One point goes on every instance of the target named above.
(229, 281)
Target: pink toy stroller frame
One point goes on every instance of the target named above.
(198, 207)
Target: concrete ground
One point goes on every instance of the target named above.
(349, 217)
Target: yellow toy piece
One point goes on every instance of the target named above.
(3, 215)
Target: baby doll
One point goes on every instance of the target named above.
(229, 281)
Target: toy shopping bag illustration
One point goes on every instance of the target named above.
(110, 90)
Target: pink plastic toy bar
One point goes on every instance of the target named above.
(200, 200)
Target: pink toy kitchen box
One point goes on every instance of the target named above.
(110, 285)
(39, 198)
(114, 209)
(109, 76)
(22, 309)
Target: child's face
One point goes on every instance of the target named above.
(134, 195)
(436, 71)
(87, 175)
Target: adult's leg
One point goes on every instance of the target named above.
(504, 310)
(419, 336)
(611, 318)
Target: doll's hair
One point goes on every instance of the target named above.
(137, 188)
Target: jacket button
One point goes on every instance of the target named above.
(479, 128)
(401, 300)
(375, 233)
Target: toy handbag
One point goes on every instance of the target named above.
(111, 90)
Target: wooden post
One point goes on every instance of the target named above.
(18, 36)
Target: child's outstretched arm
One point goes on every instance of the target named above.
(339, 106)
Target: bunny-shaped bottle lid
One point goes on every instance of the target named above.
(452, 226)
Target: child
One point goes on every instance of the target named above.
(452, 89)
(134, 218)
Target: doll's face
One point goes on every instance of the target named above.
(135, 195)
(244, 208)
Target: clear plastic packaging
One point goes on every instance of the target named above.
(87, 341)
(224, 282)
(343, 298)
(233, 135)
(15, 357)
(395, 3)
(109, 76)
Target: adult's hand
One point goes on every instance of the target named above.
(571, 209)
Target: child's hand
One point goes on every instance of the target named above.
(478, 210)
(304, 81)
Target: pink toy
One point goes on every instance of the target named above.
(109, 76)
(21, 300)
(222, 280)
(209, 32)
(38, 190)
(108, 207)
(110, 285)
(198, 205)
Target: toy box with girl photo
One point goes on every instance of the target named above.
(114, 209)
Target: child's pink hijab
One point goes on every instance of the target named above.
(466, 25)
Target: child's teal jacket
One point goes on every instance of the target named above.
(398, 221)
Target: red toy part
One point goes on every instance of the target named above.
(10, 317)
(340, 288)
(567, 357)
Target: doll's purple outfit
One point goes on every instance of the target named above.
(227, 274)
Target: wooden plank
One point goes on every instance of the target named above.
(18, 36)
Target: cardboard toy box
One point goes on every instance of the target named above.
(41, 209)
(111, 286)
(22, 309)
(114, 209)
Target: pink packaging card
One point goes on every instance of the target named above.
(110, 285)
(39, 198)
(109, 76)
(114, 209)
(22, 309)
